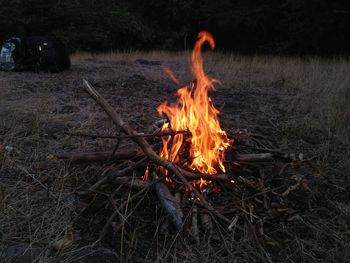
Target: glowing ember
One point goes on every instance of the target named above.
(204, 150)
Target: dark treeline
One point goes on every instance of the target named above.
(276, 26)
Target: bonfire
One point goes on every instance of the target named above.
(201, 172)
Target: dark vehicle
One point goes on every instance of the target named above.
(38, 53)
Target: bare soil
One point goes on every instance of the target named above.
(38, 202)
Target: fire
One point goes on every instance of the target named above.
(194, 111)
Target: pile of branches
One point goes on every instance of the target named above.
(255, 189)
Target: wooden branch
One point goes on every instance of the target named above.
(166, 132)
(95, 156)
(117, 173)
(147, 149)
(168, 202)
(255, 157)
(89, 135)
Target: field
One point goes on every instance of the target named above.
(300, 104)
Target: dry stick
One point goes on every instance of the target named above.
(115, 149)
(196, 176)
(262, 185)
(95, 156)
(147, 149)
(168, 202)
(194, 226)
(119, 173)
(89, 135)
(254, 157)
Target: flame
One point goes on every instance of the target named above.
(194, 111)
(145, 177)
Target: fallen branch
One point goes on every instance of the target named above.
(95, 156)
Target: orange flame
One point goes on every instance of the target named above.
(194, 111)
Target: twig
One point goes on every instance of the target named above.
(119, 173)
(291, 188)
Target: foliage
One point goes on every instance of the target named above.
(276, 26)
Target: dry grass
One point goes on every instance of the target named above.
(323, 84)
(37, 205)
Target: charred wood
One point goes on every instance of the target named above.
(168, 202)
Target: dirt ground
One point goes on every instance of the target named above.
(38, 202)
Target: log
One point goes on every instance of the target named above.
(168, 202)
(95, 156)
(147, 149)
